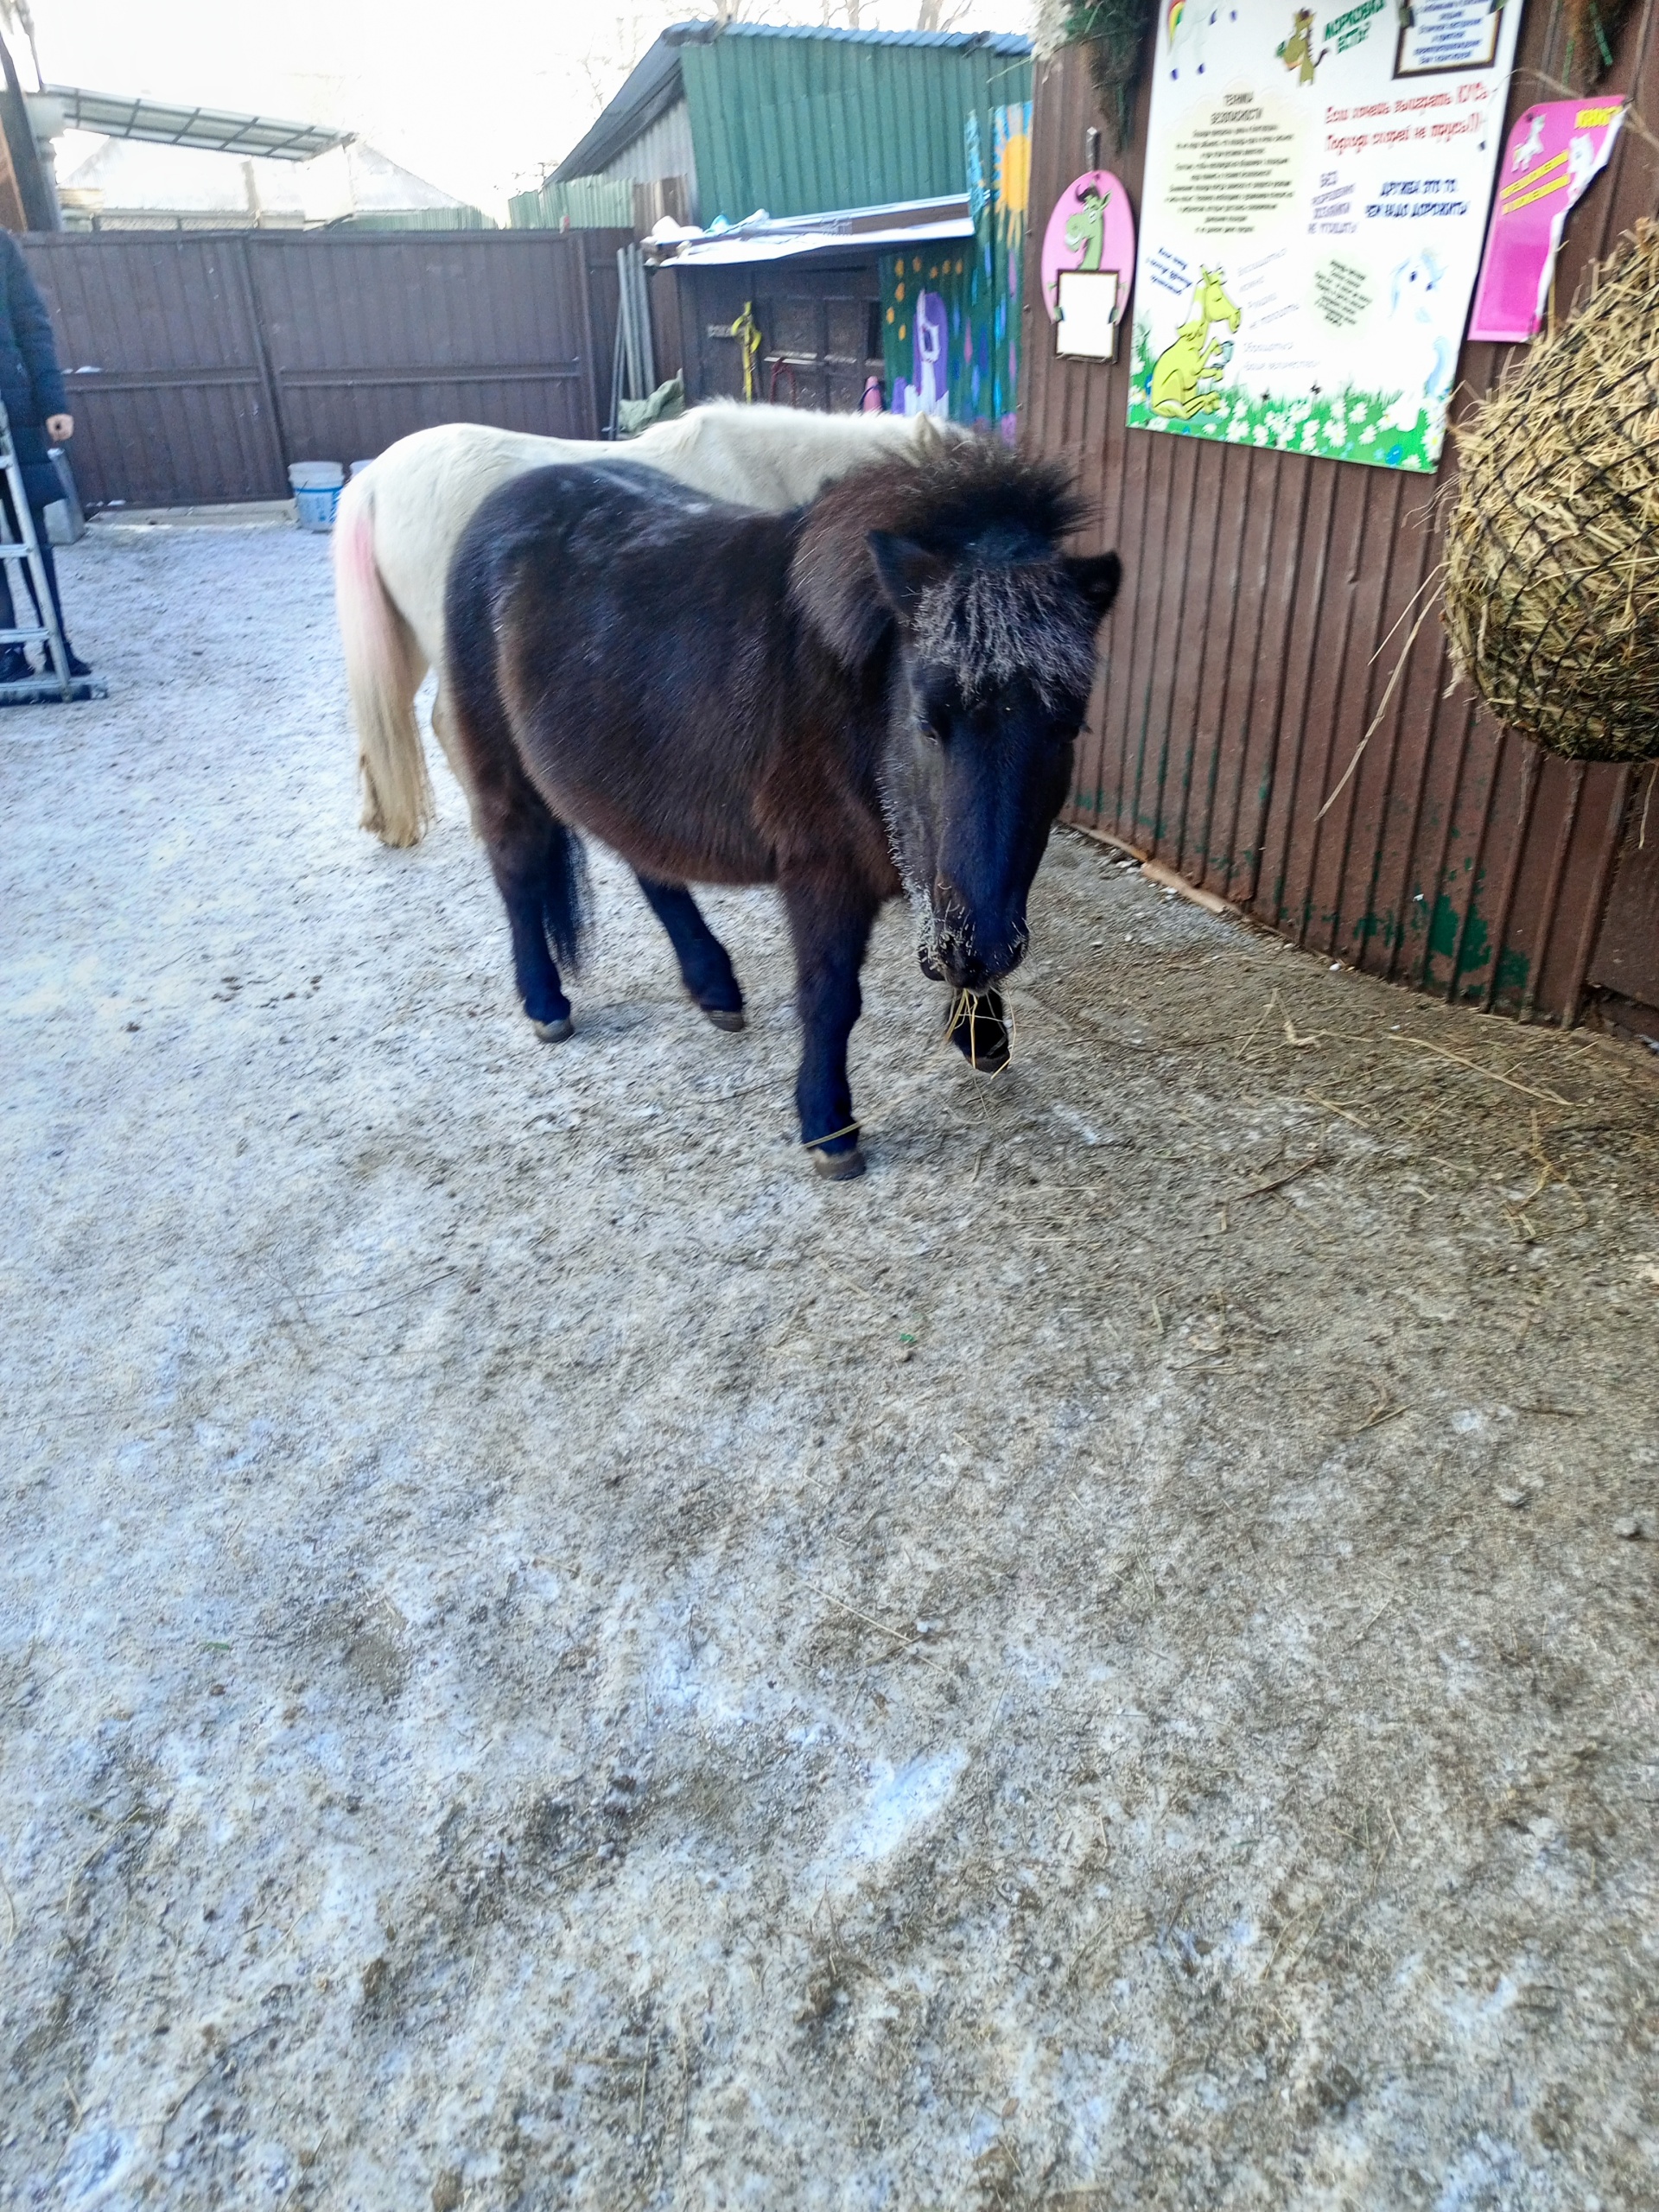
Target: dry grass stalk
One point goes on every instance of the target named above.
(968, 1009)
(1552, 585)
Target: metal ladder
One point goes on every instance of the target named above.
(24, 560)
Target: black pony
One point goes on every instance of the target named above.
(877, 693)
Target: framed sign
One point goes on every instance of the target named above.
(1090, 230)
(1311, 221)
(1437, 34)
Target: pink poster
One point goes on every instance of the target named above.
(1553, 153)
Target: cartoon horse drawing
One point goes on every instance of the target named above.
(1297, 52)
(1420, 353)
(1189, 22)
(1532, 145)
(1176, 389)
(1087, 228)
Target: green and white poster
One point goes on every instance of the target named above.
(1312, 215)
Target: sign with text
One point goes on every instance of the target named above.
(1554, 151)
(1310, 223)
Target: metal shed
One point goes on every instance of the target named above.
(1247, 657)
(810, 290)
(790, 119)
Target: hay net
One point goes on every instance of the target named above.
(1552, 584)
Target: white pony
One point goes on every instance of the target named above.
(401, 519)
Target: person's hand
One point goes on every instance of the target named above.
(59, 429)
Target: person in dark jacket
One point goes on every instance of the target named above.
(31, 385)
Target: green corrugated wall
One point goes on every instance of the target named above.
(588, 203)
(796, 125)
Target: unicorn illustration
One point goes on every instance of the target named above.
(1532, 145)
(1424, 355)
(1189, 21)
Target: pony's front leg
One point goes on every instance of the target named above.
(705, 964)
(831, 930)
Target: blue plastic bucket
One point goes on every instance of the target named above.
(316, 492)
(316, 510)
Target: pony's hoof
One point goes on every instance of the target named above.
(554, 1032)
(726, 1017)
(839, 1167)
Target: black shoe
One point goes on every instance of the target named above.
(13, 665)
(77, 666)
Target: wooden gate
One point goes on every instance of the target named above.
(200, 365)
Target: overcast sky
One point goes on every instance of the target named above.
(479, 98)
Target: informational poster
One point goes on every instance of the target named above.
(1554, 152)
(1315, 200)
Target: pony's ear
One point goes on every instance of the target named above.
(904, 569)
(1097, 576)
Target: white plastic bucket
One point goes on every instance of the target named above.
(316, 486)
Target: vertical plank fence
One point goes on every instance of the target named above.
(1266, 600)
(200, 364)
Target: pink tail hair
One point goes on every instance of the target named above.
(383, 668)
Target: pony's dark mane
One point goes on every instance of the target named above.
(970, 498)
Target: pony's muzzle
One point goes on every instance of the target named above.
(965, 971)
(960, 960)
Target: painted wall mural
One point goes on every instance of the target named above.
(1311, 223)
(950, 307)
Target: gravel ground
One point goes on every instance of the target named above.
(547, 1658)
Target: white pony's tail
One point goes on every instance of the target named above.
(383, 668)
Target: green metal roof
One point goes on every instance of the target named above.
(794, 120)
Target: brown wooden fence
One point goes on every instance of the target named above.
(201, 365)
(1248, 659)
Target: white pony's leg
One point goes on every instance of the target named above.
(444, 730)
